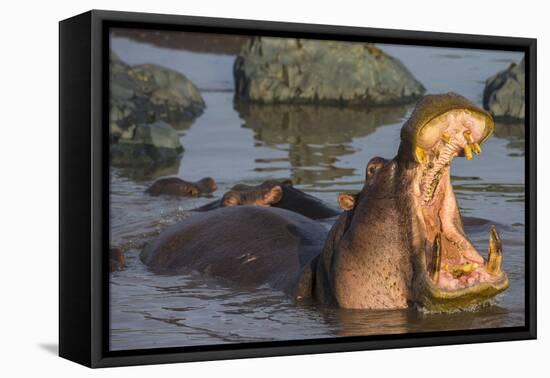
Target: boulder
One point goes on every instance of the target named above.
(286, 70)
(143, 99)
(504, 93)
(146, 145)
(147, 93)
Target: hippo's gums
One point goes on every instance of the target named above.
(281, 194)
(400, 244)
(174, 186)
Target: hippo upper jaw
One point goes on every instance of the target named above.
(450, 273)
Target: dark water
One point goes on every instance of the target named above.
(324, 151)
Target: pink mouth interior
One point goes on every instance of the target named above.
(444, 139)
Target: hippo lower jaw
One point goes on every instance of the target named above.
(453, 275)
(450, 284)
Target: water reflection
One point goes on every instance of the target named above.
(138, 171)
(383, 322)
(314, 137)
(515, 134)
(488, 317)
(366, 323)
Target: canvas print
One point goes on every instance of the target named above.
(266, 189)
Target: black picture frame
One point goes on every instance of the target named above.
(84, 188)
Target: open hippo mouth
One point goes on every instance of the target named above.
(455, 275)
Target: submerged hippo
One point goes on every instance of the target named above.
(174, 186)
(401, 244)
(281, 194)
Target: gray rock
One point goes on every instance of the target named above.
(142, 98)
(150, 93)
(147, 145)
(504, 93)
(158, 134)
(284, 70)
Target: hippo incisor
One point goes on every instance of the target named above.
(400, 244)
(281, 194)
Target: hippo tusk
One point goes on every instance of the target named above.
(494, 259)
(468, 152)
(468, 136)
(436, 259)
(421, 155)
(472, 145)
(446, 138)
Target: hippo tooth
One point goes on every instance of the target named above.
(437, 153)
(468, 136)
(436, 258)
(494, 259)
(446, 138)
(421, 155)
(468, 151)
(476, 148)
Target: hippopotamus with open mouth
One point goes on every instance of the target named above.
(281, 194)
(400, 244)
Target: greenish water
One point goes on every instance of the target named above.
(324, 151)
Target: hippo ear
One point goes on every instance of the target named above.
(347, 201)
(230, 199)
(273, 196)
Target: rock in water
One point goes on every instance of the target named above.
(148, 145)
(147, 93)
(285, 70)
(143, 99)
(504, 93)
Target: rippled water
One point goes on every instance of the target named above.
(324, 151)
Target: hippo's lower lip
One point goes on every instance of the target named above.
(457, 276)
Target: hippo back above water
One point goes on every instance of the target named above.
(280, 194)
(294, 241)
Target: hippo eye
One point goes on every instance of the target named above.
(371, 170)
(287, 182)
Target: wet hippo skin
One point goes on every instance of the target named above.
(294, 240)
